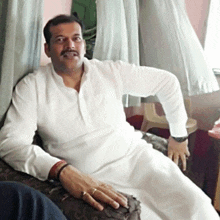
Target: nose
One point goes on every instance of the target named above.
(70, 43)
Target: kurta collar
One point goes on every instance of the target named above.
(59, 78)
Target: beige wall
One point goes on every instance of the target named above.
(52, 8)
(197, 11)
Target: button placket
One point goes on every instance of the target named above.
(84, 105)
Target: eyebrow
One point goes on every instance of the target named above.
(59, 36)
(65, 36)
(77, 35)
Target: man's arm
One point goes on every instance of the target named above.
(16, 136)
(146, 81)
(16, 149)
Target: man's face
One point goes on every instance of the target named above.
(67, 47)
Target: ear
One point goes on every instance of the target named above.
(47, 49)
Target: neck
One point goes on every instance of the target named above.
(72, 78)
(74, 73)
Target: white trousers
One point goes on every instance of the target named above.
(164, 191)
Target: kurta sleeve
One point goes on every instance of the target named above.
(16, 136)
(145, 81)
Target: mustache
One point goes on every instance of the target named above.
(68, 50)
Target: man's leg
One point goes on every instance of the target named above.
(170, 192)
(165, 193)
(18, 201)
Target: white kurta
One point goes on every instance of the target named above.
(89, 130)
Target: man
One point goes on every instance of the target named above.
(75, 104)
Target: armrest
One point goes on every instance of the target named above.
(71, 207)
(158, 143)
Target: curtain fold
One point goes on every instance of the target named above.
(165, 40)
(117, 36)
(21, 22)
(169, 42)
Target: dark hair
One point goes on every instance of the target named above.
(60, 19)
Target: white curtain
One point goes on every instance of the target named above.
(170, 42)
(212, 38)
(21, 26)
(166, 40)
(117, 35)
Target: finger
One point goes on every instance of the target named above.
(99, 195)
(107, 186)
(90, 200)
(122, 198)
(118, 197)
(183, 158)
(170, 155)
(187, 153)
(176, 159)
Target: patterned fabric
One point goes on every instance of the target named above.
(71, 207)
(158, 143)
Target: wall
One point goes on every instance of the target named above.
(198, 11)
(52, 8)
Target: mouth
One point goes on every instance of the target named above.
(69, 54)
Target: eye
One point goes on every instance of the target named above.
(77, 39)
(59, 40)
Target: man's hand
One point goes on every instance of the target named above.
(178, 151)
(90, 190)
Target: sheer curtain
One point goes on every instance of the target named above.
(169, 42)
(165, 39)
(117, 35)
(20, 43)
